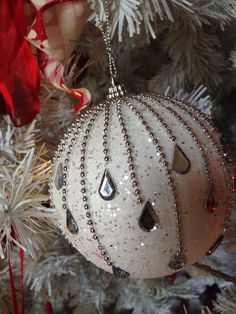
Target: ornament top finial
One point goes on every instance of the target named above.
(116, 90)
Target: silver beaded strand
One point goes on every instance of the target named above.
(178, 260)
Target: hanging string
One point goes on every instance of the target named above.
(107, 39)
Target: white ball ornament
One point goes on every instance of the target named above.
(142, 185)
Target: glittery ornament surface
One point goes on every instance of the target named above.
(135, 139)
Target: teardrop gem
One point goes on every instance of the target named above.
(211, 203)
(59, 177)
(71, 223)
(118, 272)
(107, 188)
(148, 220)
(181, 163)
(177, 261)
(215, 245)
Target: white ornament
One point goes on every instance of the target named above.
(142, 185)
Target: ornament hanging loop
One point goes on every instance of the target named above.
(115, 90)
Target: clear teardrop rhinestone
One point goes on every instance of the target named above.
(118, 272)
(181, 163)
(148, 220)
(215, 245)
(59, 177)
(71, 223)
(107, 188)
(177, 261)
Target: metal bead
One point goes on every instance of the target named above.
(132, 175)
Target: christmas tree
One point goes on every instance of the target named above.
(177, 48)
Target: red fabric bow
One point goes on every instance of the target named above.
(19, 78)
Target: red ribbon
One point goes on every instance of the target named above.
(13, 290)
(48, 307)
(22, 281)
(19, 77)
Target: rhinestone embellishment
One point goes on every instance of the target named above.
(107, 188)
(215, 245)
(181, 163)
(59, 177)
(71, 223)
(148, 220)
(211, 203)
(118, 272)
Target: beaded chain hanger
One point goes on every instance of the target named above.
(116, 89)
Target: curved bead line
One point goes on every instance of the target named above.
(171, 182)
(191, 133)
(156, 115)
(133, 176)
(90, 222)
(85, 135)
(189, 110)
(219, 150)
(58, 154)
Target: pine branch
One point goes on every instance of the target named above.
(216, 273)
(225, 303)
